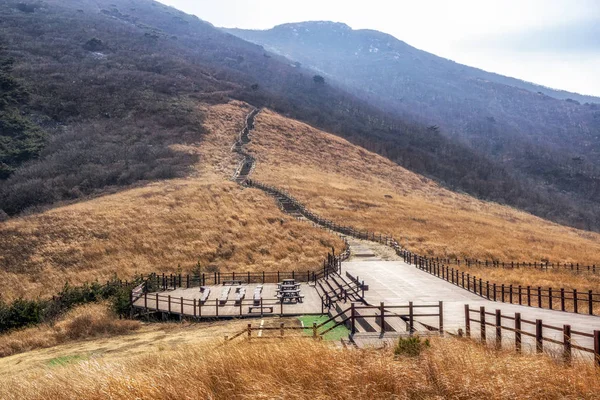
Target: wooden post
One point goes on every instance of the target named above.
(249, 331)
(550, 298)
(539, 337)
(529, 296)
(539, 294)
(567, 350)
(562, 299)
(441, 316)
(194, 305)
(498, 329)
(502, 288)
(217, 307)
(575, 306)
(411, 318)
(146, 301)
(181, 299)
(494, 287)
(597, 347)
(314, 329)
(169, 298)
(590, 302)
(382, 311)
(352, 322)
(518, 332)
(281, 330)
(467, 321)
(520, 295)
(482, 323)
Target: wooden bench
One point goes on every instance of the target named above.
(240, 293)
(258, 295)
(232, 282)
(224, 295)
(268, 310)
(205, 293)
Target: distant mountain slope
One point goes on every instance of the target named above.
(115, 84)
(527, 128)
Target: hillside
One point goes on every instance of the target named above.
(112, 85)
(167, 226)
(546, 138)
(353, 186)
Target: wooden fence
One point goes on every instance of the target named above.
(565, 338)
(582, 302)
(350, 316)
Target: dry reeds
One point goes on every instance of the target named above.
(166, 226)
(352, 186)
(303, 369)
(84, 322)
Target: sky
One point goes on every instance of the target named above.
(555, 43)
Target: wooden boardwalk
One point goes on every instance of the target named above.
(213, 307)
(395, 282)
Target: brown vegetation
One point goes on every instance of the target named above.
(84, 322)
(163, 226)
(353, 186)
(302, 369)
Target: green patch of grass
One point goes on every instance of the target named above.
(65, 360)
(337, 333)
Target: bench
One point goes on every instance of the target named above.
(257, 295)
(205, 293)
(232, 282)
(224, 295)
(240, 293)
(268, 310)
(297, 297)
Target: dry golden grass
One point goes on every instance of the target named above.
(160, 226)
(84, 322)
(350, 185)
(303, 369)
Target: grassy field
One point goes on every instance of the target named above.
(302, 369)
(337, 333)
(351, 185)
(164, 226)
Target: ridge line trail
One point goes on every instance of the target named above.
(393, 281)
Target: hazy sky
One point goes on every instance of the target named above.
(550, 42)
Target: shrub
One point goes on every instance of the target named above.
(411, 346)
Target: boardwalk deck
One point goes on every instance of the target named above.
(214, 307)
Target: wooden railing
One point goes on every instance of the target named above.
(571, 300)
(349, 317)
(567, 337)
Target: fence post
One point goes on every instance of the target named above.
(482, 323)
(590, 302)
(518, 332)
(352, 322)
(502, 288)
(382, 311)
(529, 296)
(467, 321)
(441, 310)
(169, 298)
(498, 329)
(411, 318)
(575, 306)
(281, 330)
(194, 308)
(597, 347)
(567, 351)
(181, 300)
(539, 293)
(539, 337)
(314, 329)
(249, 331)
(550, 298)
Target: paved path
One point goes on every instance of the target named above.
(395, 282)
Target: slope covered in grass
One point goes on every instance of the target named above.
(165, 226)
(351, 185)
(304, 369)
